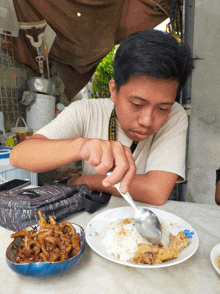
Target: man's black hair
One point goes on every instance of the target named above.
(153, 53)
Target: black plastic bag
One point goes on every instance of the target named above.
(18, 208)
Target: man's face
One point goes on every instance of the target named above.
(143, 104)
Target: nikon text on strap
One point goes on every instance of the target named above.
(112, 131)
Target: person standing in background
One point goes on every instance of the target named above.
(217, 187)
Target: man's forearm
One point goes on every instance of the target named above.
(153, 188)
(41, 155)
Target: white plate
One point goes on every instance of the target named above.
(97, 228)
(215, 252)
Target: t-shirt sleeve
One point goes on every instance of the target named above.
(168, 149)
(69, 124)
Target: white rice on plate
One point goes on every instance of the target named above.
(122, 239)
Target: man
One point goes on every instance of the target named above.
(140, 128)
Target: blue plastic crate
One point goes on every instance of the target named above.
(5, 152)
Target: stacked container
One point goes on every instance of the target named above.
(42, 111)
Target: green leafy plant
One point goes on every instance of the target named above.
(102, 76)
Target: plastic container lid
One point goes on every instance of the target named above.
(60, 106)
(19, 130)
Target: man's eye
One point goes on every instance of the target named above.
(164, 109)
(136, 105)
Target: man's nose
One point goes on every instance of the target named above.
(146, 118)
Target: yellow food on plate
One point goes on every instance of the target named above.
(156, 254)
(218, 261)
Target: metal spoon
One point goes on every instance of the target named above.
(147, 223)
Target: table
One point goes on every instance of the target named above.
(94, 274)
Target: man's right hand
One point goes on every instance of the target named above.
(106, 155)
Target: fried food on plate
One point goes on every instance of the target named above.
(155, 254)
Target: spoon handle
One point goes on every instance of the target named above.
(126, 196)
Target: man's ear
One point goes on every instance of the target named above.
(113, 90)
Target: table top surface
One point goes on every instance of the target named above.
(95, 274)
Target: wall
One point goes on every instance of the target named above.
(204, 132)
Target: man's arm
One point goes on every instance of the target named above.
(153, 187)
(217, 188)
(40, 154)
(217, 193)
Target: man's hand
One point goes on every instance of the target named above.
(110, 155)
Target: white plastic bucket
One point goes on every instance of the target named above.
(41, 112)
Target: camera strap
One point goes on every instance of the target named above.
(112, 131)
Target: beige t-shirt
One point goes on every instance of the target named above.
(89, 118)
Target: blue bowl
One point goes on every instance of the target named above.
(42, 269)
